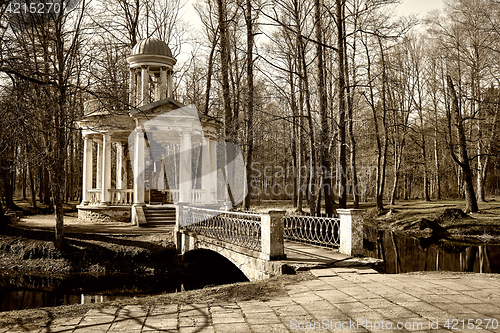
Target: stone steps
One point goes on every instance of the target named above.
(160, 215)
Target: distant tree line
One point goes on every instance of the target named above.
(334, 103)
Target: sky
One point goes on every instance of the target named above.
(421, 7)
(407, 7)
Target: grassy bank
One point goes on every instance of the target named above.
(407, 216)
(23, 249)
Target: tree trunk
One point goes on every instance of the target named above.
(324, 173)
(463, 159)
(436, 158)
(483, 171)
(350, 97)
(249, 143)
(209, 74)
(32, 187)
(229, 132)
(341, 92)
(46, 186)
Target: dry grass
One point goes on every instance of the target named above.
(405, 215)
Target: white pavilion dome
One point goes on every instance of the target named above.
(153, 46)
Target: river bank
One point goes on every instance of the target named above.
(28, 246)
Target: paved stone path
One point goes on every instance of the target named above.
(339, 300)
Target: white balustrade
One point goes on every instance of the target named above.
(197, 196)
(120, 197)
(173, 196)
(94, 196)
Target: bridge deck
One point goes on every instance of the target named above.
(305, 256)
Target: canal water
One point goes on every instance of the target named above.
(199, 269)
(402, 253)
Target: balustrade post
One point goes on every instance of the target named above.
(272, 242)
(351, 231)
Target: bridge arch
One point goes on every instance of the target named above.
(249, 262)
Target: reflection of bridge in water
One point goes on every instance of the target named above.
(266, 245)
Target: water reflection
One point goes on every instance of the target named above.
(198, 269)
(403, 253)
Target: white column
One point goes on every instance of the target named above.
(170, 87)
(272, 242)
(161, 174)
(351, 231)
(185, 176)
(133, 88)
(99, 165)
(157, 87)
(119, 165)
(106, 169)
(206, 172)
(87, 169)
(163, 82)
(138, 88)
(139, 166)
(145, 85)
(213, 174)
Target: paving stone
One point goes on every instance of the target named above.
(419, 306)
(193, 310)
(401, 298)
(255, 307)
(339, 270)
(413, 324)
(453, 285)
(484, 308)
(227, 318)
(226, 308)
(208, 329)
(279, 301)
(194, 321)
(99, 320)
(355, 306)
(321, 273)
(291, 310)
(453, 308)
(164, 309)
(132, 312)
(57, 329)
(317, 285)
(377, 303)
(335, 296)
(108, 311)
(259, 318)
(366, 270)
(269, 328)
(396, 312)
(66, 321)
(309, 298)
(127, 324)
(232, 328)
(157, 323)
(463, 299)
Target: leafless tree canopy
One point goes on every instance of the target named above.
(334, 103)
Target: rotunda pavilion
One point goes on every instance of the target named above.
(165, 151)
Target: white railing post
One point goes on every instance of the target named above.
(272, 242)
(351, 231)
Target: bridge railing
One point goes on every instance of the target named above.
(321, 231)
(258, 232)
(346, 231)
(241, 229)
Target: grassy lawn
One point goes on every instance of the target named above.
(406, 215)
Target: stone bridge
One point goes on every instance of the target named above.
(255, 243)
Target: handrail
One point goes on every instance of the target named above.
(321, 231)
(241, 229)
